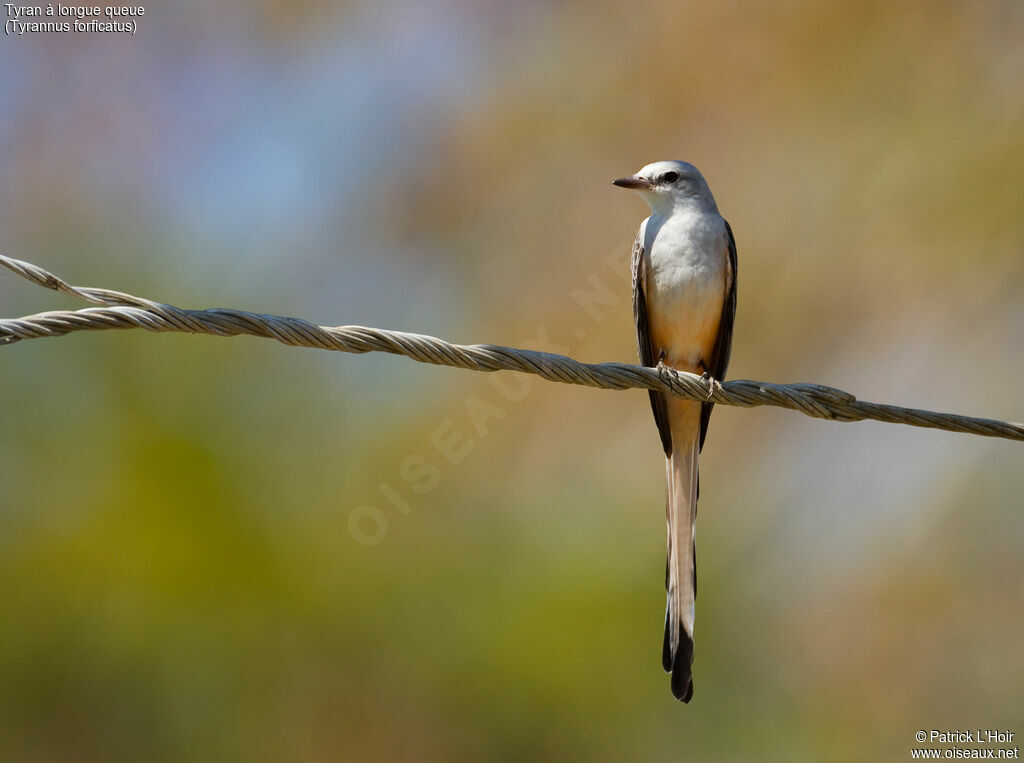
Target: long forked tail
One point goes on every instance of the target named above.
(681, 575)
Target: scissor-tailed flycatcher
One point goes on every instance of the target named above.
(684, 302)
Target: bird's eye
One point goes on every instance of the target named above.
(670, 177)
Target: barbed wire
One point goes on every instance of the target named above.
(124, 311)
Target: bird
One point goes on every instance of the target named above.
(684, 306)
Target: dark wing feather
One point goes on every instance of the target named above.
(723, 344)
(645, 348)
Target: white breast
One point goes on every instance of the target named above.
(688, 275)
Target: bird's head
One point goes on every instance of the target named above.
(670, 184)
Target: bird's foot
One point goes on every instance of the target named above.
(713, 384)
(666, 373)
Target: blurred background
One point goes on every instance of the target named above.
(224, 549)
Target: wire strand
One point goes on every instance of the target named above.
(117, 310)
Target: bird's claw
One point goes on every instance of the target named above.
(713, 384)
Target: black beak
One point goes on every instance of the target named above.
(633, 182)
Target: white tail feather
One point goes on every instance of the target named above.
(681, 508)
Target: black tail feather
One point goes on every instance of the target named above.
(680, 664)
(666, 649)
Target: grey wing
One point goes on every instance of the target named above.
(645, 347)
(723, 343)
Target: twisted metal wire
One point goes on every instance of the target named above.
(124, 311)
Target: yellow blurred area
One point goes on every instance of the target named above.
(217, 549)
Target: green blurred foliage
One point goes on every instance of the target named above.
(179, 578)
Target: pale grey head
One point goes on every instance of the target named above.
(670, 185)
